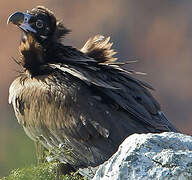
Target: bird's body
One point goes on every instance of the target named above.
(79, 104)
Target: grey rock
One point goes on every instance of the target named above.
(165, 156)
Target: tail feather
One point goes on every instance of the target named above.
(99, 48)
(165, 124)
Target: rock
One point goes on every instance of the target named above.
(165, 156)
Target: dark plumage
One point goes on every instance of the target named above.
(79, 103)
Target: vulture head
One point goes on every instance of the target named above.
(40, 23)
(41, 36)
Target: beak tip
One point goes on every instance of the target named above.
(15, 18)
(8, 20)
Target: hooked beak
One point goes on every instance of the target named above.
(22, 21)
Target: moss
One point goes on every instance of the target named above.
(44, 171)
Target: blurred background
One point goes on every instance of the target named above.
(158, 32)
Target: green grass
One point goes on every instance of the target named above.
(46, 171)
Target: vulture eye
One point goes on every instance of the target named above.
(39, 24)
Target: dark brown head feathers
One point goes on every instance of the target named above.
(43, 9)
(60, 30)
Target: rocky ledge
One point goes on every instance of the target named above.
(165, 156)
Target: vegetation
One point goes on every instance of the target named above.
(44, 171)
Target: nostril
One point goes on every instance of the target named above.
(26, 19)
